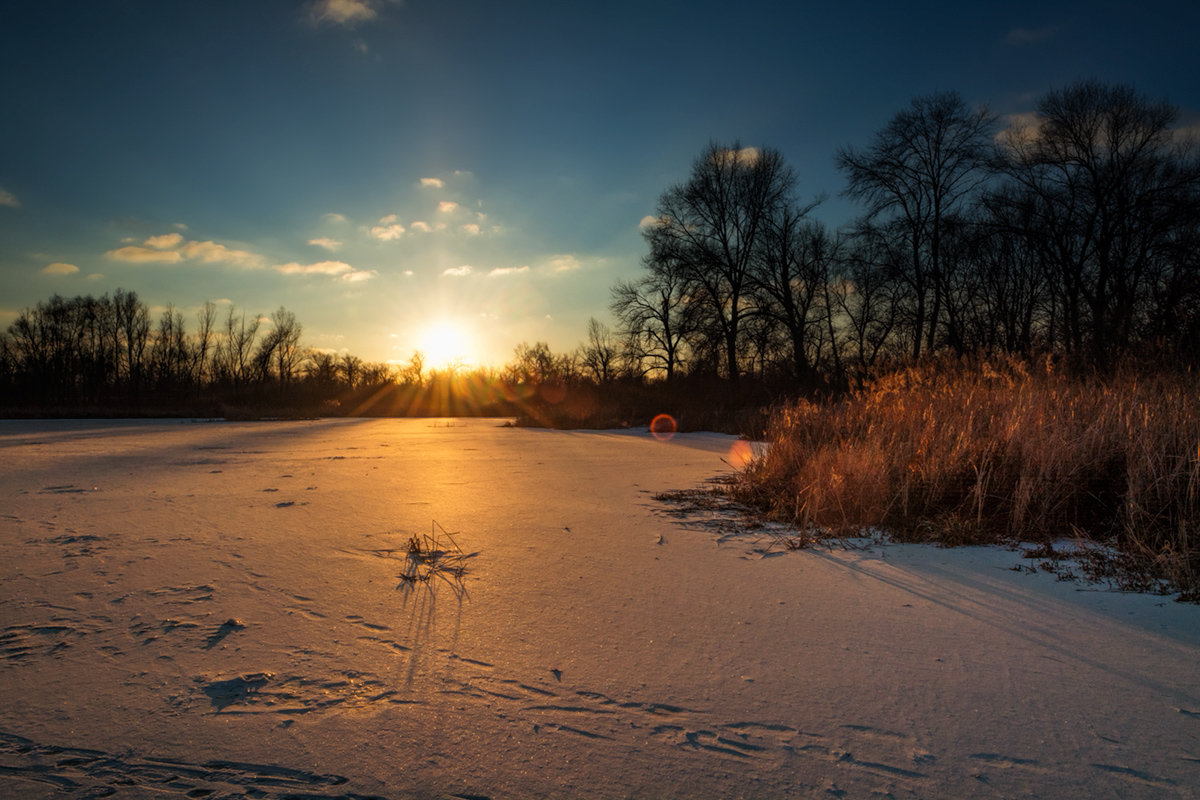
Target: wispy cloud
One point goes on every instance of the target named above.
(471, 228)
(335, 269)
(211, 252)
(649, 221)
(335, 217)
(59, 268)
(433, 183)
(319, 268)
(1021, 37)
(168, 241)
(565, 263)
(341, 12)
(9, 199)
(170, 248)
(421, 225)
(134, 254)
(387, 232)
(447, 206)
(329, 244)
(458, 272)
(501, 272)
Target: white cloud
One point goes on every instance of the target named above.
(9, 199)
(408, 273)
(170, 248)
(501, 272)
(329, 244)
(433, 183)
(650, 221)
(341, 12)
(421, 225)
(168, 241)
(332, 217)
(144, 255)
(446, 206)
(319, 268)
(471, 228)
(388, 220)
(59, 268)
(179, 226)
(458, 272)
(210, 252)
(358, 276)
(387, 233)
(96, 276)
(565, 263)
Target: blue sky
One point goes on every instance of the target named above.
(384, 168)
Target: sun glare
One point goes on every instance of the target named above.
(447, 342)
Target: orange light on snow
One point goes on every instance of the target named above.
(740, 454)
(663, 427)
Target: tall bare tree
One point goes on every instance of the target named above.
(654, 319)
(1113, 190)
(709, 231)
(923, 168)
(599, 354)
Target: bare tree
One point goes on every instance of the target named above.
(206, 318)
(133, 332)
(237, 349)
(351, 367)
(413, 372)
(790, 276)
(599, 354)
(710, 229)
(279, 350)
(923, 168)
(1113, 191)
(654, 319)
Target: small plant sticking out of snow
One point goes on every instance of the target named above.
(434, 555)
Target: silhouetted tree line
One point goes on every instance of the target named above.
(1074, 233)
(85, 353)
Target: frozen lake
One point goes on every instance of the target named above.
(212, 609)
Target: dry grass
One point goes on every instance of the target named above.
(984, 452)
(434, 555)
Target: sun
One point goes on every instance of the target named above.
(447, 342)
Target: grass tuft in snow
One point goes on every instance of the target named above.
(434, 555)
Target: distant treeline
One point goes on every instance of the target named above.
(1074, 233)
(105, 356)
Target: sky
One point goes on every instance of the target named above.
(460, 177)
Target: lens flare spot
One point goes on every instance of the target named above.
(663, 427)
(740, 454)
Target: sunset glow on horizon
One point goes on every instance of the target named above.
(448, 343)
(368, 163)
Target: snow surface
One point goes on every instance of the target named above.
(213, 609)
